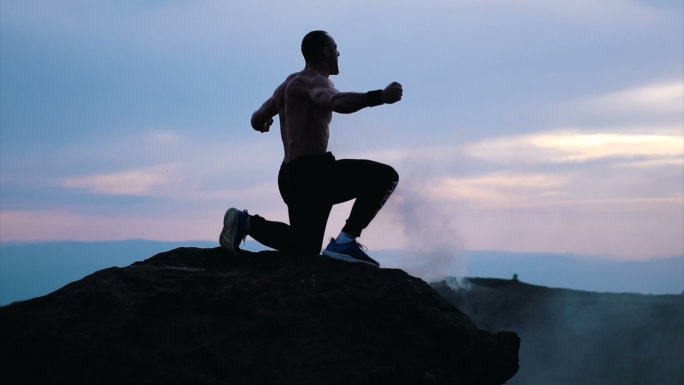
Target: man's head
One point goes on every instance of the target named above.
(319, 49)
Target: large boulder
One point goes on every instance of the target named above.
(203, 316)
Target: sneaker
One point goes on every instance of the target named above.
(235, 225)
(349, 252)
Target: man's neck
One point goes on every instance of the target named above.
(318, 68)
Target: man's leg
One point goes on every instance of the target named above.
(237, 224)
(308, 221)
(276, 235)
(304, 236)
(308, 206)
(304, 190)
(371, 184)
(310, 188)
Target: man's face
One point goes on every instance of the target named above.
(332, 55)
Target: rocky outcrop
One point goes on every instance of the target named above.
(202, 316)
(578, 337)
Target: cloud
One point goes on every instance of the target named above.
(497, 189)
(492, 191)
(165, 162)
(576, 145)
(145, 181)
(59, 224)
(164, 137)
(655, 163)
(659, 98)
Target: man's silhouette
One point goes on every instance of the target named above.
(311, 180)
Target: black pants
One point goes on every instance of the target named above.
(310, 186)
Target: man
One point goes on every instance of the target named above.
(311, 180)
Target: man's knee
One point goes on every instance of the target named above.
(390, 177)
(389, 181)
(387, 174)
(394, 175)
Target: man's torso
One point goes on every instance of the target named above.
(304, 126)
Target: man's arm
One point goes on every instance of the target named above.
(263, 117)
(329, 98)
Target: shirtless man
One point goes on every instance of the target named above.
(311, 180)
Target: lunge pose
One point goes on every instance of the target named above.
(311, 180)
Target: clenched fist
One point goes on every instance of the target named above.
(259, 124)
(392, 93)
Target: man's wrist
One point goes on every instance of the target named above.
(374, 98)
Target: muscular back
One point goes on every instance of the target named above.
(304, 126)
(304, 123)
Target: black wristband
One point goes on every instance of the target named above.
(374, 98)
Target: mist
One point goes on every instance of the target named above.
(574, 337)
(435, 248)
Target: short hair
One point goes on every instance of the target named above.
(313, 44)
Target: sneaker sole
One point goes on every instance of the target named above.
(346, 258)
(227, 237)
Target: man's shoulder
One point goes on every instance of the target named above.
(301, 83)
(308, 79)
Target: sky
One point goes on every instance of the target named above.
(525, 126)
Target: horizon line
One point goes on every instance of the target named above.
(255, 243)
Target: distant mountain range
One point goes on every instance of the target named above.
(653, 276)
(570, 271)
(29, 270)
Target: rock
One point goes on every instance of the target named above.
(202, 316)
(579, 337)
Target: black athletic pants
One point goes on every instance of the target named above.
(310, 186)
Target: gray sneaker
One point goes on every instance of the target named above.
(235, 229)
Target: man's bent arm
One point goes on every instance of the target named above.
(263, 117)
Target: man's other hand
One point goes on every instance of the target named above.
(392, 93)
(262, 126)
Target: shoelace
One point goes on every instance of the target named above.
(356, 243)
(359, 245)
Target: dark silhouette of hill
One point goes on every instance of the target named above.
(577, 337)
(202, 316)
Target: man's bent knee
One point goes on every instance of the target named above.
(391, 179)
(387, 174)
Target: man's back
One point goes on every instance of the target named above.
(304, 126)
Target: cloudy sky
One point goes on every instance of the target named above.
(526, 125)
